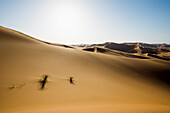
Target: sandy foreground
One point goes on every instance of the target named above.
(102, 83)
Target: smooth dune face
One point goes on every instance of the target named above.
(101, 83)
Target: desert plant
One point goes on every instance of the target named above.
(71, 80)
(43, 81)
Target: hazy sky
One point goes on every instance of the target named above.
(89, 21)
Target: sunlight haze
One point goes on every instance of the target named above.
(89, 21)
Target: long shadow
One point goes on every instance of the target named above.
(167, 59)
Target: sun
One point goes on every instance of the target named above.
(64, 20)
(67, 18)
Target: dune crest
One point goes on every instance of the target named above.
(158, 51)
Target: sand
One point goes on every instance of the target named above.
(103, 83)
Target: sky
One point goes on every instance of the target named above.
(89, 21)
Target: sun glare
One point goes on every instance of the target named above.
(68, 17)
(65, 18)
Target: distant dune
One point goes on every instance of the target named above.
(160, 51)
(111, 78)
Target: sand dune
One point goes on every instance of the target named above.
(103, 83)
(114, 52)
(158, 51)
(15, 35)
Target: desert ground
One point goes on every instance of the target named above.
(103, 82)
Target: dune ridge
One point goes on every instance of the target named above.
(11, 34)
(158, 51)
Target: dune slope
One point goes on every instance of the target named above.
(102, 83)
